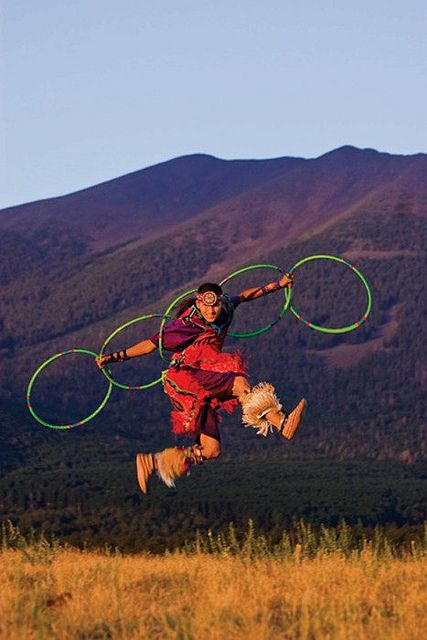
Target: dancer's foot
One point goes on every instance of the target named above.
(144, 469)
(291, 422)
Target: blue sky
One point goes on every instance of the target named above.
(91, 90)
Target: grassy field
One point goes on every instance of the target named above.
(55, 592)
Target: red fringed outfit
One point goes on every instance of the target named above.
(200, 378)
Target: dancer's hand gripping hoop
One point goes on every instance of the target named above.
(286, 303)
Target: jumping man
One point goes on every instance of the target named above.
(201, 379)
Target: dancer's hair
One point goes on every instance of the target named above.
(188, 302)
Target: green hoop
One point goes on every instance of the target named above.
(166, 316)
(251, 334)
(74, 424)
(350, 327)
(107, 373)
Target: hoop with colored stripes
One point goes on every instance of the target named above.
(251, 334)
(107, 373)
(350, 327)
(40, 369)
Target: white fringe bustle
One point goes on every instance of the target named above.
(256, 405)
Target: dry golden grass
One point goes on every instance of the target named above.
(87, 595)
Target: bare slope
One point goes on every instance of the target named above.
(261, 200)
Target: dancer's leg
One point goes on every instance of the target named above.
(174, 462)
(211, 448)
(241, 387)
(171, 463)
(261, 408)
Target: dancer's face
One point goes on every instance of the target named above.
(209, 312)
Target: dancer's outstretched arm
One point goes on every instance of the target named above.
(286, 280)
(140, 349)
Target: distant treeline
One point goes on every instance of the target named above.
(102, 504)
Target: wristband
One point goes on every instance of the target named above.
(117, 356)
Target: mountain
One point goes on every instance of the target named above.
(70, 263)
(76, 266)
(191, 217)
(289, 194)
(73, 269)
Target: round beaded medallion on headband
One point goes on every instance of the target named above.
(209, 298)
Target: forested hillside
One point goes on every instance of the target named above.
(356, 372)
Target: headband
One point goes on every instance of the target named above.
(209, 298)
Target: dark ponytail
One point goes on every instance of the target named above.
(185, 304)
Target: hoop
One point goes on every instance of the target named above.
(79, 422)
(282, 311)
(107, 373)
(350, 327)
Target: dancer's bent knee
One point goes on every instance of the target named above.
(240, 387)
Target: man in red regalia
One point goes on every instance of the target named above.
(201, 379)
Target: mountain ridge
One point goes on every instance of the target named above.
(173, 192)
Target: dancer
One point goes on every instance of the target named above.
(201, 379)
